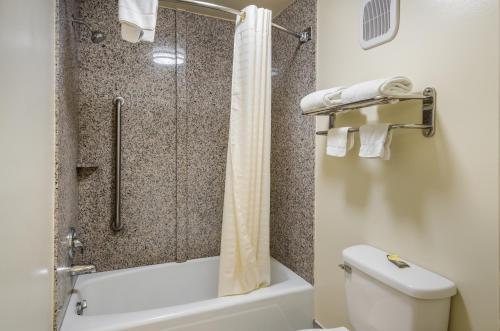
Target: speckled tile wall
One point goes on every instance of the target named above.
(182, 141)
(66, 181)
(208, 77)
(292, 160)
(174, 138)
(144, 74)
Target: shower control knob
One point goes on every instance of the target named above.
(74, 243)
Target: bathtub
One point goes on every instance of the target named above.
(183, 297)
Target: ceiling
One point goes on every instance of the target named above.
(275, 5)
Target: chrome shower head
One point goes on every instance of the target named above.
(96, 36)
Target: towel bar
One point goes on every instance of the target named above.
(391, 127)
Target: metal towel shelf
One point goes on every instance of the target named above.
(428, 97)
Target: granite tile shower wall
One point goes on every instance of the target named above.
(174, 136)
(144, 74)
(208, 77)
(175, 129)
(292, 160)
(66, 158)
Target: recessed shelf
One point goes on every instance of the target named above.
(85, 170)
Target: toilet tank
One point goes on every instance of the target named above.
(384, 297)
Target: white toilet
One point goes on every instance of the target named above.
(384, 297)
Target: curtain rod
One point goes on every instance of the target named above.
(303, 36)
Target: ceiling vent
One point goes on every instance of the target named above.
(379, 22)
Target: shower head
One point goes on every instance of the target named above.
(96, 36)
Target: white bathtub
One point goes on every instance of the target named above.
(183, 297)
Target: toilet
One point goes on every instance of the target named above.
(382, 296)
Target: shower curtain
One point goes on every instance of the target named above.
(245, 254)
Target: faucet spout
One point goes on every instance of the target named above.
(82, 269)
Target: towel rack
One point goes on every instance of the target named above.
(428, 97)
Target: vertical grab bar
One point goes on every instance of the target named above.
(116, 224)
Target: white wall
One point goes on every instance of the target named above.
(436, 201)
(27, 157)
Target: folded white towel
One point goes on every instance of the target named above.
(138, 19)
(322, 99)
(393, 86)
(339, 141)
(375, 141)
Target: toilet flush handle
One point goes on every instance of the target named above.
(347, 268)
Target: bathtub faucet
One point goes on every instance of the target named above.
(78, 270)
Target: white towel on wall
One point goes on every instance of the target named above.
(321, 99)
(393, 86)
(375, 141)
(245, 259)
(339, 141)
(138, 19)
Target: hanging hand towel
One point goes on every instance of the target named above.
(339, 141)
(322, 99)
(245, 259)
(375, 141)
(394, 86)
(138, 19)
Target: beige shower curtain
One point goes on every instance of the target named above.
(245, 256)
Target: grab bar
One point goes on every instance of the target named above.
(116, 224)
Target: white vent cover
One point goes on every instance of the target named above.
(379, 22)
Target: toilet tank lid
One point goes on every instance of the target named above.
(414, 281)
